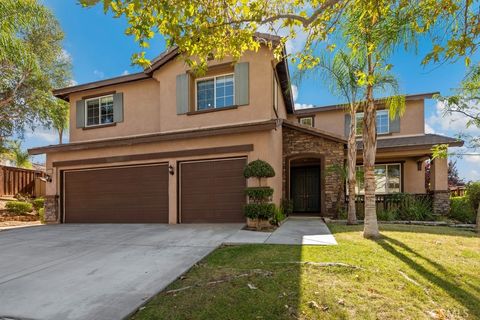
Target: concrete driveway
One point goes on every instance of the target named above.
(96, 271)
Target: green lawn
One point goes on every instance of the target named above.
(414, 272)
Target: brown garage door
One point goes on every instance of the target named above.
(212, 191)
(117, 195)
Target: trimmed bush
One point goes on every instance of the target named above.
(263, 211)
(258, 194)
(41, 215)
(258, 169)
(461, 210)
(19, 207)
(38, 203)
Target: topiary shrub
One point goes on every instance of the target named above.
(259, 194)
(262, 211)
(461, 210)
(258, 169)
(19, 207)
(38, 203)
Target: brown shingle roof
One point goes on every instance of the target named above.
(414, 142)
(315, 109)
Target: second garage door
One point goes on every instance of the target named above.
(133, 194)
(212, 191)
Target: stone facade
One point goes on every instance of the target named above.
(298, 144)
(51, 209)
(441, 202)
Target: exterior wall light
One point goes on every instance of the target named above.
(171, 169)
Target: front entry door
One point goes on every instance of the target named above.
(305, 188)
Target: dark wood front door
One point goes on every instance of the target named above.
(305, 188)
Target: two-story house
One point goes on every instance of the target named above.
(168, 146)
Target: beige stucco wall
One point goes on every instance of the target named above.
(150, 105)
(413, 179)
(439, 175)
(411, 123)
(267, 146)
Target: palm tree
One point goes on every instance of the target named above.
(20, 157)
(342, 76)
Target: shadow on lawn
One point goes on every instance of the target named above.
(438, 230)
(442, 280)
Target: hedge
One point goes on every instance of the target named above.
(19, 207)
(263, 211)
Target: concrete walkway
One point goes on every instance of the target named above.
(295, 231)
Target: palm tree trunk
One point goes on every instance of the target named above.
(352, 162)
(369, 149)
(60, 136)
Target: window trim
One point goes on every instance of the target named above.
(99, 111)
(361, 114)
(214, 77)
(400, 165)
(307, 117)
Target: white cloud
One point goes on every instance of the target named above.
(98, 74)
(294, 92)
(44, 135)
(65, 55)
(453, 124)
(475, 159)
(428, 128)
(303, 105)
(72, 83)
(125, 72)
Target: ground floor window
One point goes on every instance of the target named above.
(387, 177)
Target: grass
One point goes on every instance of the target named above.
(413, 272)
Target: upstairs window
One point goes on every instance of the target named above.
(215, 92)
(382, 122)
(306, 121)
(99, 110)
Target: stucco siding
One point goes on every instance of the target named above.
(266, 146)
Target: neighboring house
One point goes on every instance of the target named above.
(167, 146)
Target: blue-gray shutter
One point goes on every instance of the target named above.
(347, 125)
(241, 83)
(118, 107)
(183, 93)
(80, 113)
(394, 125)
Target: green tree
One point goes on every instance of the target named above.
(59, 117)
(19, 156)
(373, 29)
(341, 74)
(32, 62)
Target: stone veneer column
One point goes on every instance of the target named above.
(439, 186)
(51, 209)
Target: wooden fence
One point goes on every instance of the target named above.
(15, 181)
(387, 202)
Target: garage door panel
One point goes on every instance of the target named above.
(117, 195)
(213, 191)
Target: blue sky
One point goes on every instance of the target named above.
(99, 49)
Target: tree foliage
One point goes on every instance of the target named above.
(18, 155)
(226, 28)
(466, 103)
(58, 115)
(32, 62)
